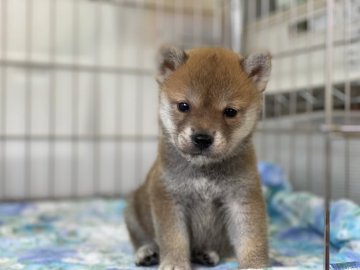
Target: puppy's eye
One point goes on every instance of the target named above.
(230, 112)
(183, 107)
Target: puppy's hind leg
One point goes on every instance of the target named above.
(147, 255)
(147, 251)
(137, 234)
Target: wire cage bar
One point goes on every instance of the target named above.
(295, 104)
(70, 72)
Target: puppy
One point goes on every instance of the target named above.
(202, 198)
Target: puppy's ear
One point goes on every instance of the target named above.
(169, 59)
(258, 68)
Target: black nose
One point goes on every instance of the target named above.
(202, 141)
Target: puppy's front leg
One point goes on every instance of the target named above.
(247, 229)
(170, 230)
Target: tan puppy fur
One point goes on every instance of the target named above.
(202, 198)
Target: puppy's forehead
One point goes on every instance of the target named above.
(213, 64)
(210, 75)
(213, 55)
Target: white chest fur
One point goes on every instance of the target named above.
(203, 188)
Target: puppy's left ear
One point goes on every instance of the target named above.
(258, 68)
(169, 59)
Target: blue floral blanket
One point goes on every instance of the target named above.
(91, 234)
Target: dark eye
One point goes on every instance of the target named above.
(230, 112)
(183, 107)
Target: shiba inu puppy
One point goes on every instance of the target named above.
(202, 198)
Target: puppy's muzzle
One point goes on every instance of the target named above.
(202, 141)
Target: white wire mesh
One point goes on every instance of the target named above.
(78, 112)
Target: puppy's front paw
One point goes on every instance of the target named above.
(208, 258)
(174, 266)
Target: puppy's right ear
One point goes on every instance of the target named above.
(169, 59)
